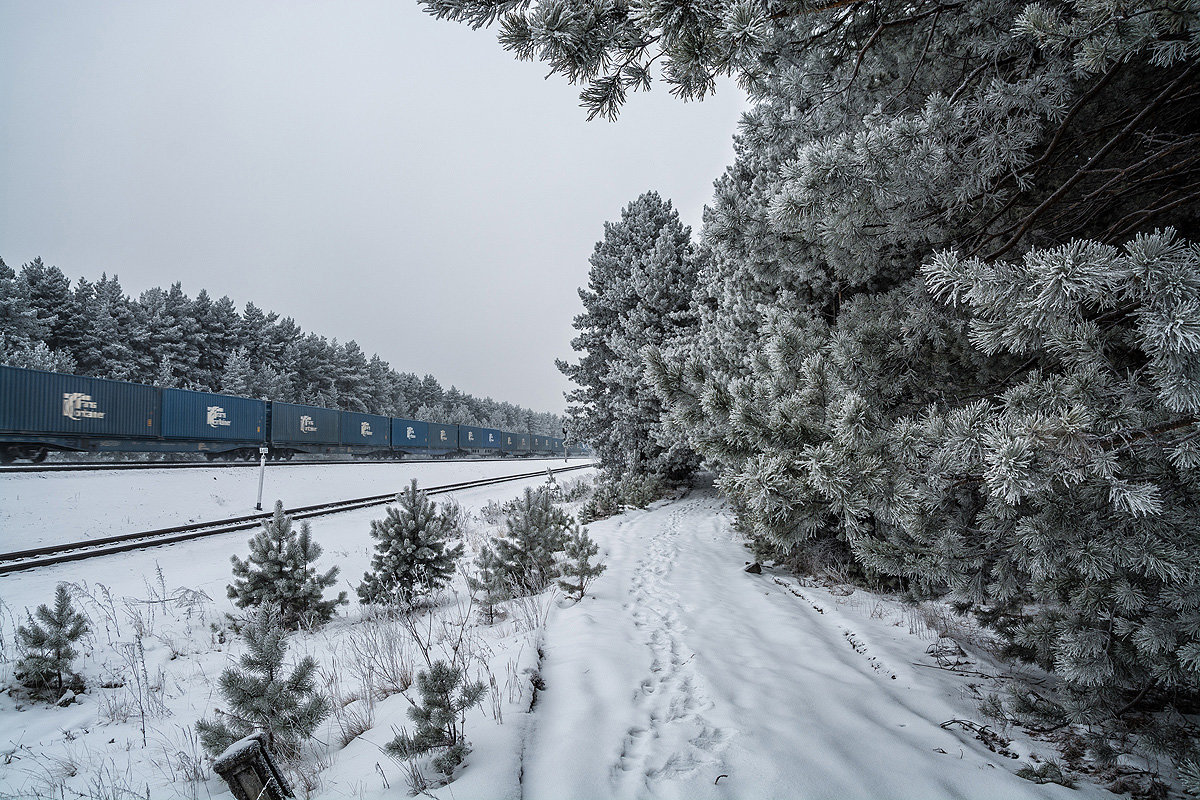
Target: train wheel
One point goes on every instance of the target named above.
(39, 455)
(7, 456)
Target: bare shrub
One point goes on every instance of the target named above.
(380, 654)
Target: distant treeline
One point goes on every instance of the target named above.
(166, 338)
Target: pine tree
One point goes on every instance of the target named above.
(279, 573)
(19, 323)
(445, 697)
(491, 581)
(49, 293)
(237, 375)
(413, 556)
(262, 696)
(639, 295)
(47, 642)
(536, 531)
(579, 550)
(946, 322)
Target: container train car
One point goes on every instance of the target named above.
(41, 412)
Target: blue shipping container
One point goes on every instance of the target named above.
(366, 429)
(514, 442)
(443, 437)
(471, 438)
(408, 433)
(294, 424)
(202, 415)
(32, 401)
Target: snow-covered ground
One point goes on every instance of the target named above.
(679, 675)
(45, 508)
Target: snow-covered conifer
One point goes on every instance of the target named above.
(491, 583)
(440, 716)
(535, 533)
(47, 642)
(280, 573)
(578, 566)
(263, 696)
(414, 553)
(639, 295)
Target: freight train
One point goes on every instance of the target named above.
(42, 412)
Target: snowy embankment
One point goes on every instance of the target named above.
(679, 675)
(38, 509)
(682, 676)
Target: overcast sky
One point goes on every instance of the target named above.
(373, 172)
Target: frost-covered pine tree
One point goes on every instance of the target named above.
(639, 295)
(946, 311)
(47, 642)
(264, 696)
(535, 533)
(446, 696)
(491, 583)
(414, 553)
(280, 573)
(578, 566)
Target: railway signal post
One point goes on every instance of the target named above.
(262, 473)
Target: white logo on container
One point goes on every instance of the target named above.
(470, 436)
(78, 405)
(443, 435)
(216, 418)
(307, 425)
(410, 433)
(365, 429)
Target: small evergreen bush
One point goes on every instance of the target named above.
(578, 566)
(47, 643)
(262, 696)
(536, 532)
(280, 573)
(491, 582)
(413, 554)
(440, 717)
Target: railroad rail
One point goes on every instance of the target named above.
(122, 543)
(118, 465)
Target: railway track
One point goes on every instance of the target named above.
(114, 465)
(64, 553)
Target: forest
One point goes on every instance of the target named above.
(166, 338)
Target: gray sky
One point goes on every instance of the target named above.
(373, 172)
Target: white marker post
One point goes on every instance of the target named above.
(262, 473)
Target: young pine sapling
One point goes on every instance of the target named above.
(579, 550)
(262, 696)
(280, 573)
(47, 642)
(440, 717)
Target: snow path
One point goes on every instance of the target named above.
(683, 669)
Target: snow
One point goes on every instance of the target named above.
(681, 668)
(51, 507)
(678, 676)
